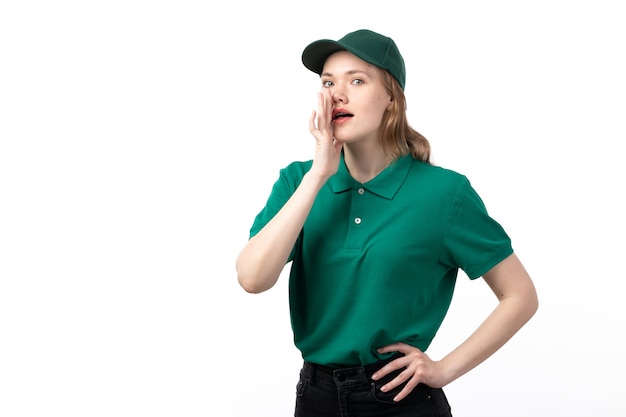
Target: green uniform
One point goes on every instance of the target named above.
(376, 263)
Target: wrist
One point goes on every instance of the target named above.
(315, 178)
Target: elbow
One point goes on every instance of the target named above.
(534, 304)
(253, 274)
(250, 280)
(531, 303)
(250, 286)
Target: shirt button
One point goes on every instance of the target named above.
(357, 220)
(361, 190)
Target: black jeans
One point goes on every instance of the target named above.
(350, 392)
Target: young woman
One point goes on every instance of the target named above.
(376, 235)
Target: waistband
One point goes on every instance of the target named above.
(335, 375)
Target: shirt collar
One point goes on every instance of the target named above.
(386, 184)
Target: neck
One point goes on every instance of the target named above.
(365, 164)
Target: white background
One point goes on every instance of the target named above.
(139, 139)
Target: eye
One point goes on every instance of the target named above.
(357, 81)
(327, 83)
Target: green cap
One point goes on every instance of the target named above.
(371, 47)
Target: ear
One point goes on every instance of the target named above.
(390, 103)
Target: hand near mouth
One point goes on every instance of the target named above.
(327, 149)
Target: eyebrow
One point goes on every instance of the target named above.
(351, 72)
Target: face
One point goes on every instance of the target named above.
(358, 95)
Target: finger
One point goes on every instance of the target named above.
(321, 111)
(394, 365)
(406, 390)
(397, 381)
(394, 347)
(324, 116)
(312, 126)
(328, 100)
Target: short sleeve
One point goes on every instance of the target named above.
(288, 180)
(473, 241)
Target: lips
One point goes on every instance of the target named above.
(341, 114)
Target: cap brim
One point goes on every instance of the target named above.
(314, 55)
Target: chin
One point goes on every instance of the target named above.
(344, 139)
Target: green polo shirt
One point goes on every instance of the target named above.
(376, 263)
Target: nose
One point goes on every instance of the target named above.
(338, 96)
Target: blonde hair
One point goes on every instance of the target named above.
(397, 136)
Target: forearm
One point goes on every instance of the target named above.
(263, 258)
(493, 333)
(517, 304)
